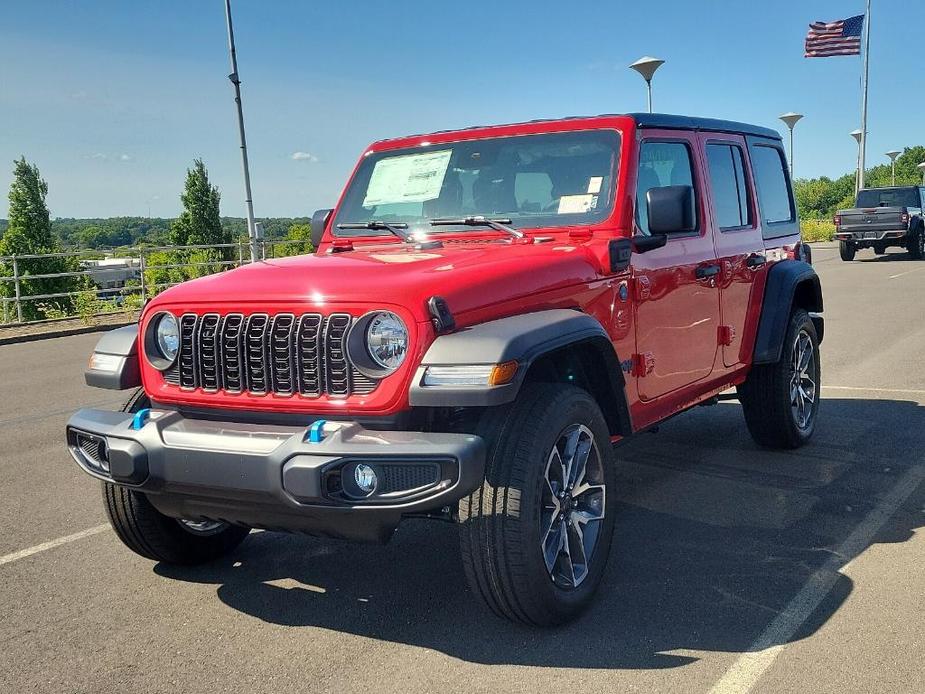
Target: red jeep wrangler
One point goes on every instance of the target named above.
(488, 311)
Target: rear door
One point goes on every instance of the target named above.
(677, 299)
(736, 237)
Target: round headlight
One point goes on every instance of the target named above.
(167, 336)
(387, 340)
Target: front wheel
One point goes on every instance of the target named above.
(536, 536)
(780, 401)
(148, 532)
(846, 250)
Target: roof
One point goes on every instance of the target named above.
(643, 120)
(664, 120)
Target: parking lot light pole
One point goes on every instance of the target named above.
(892, 154)
(791, 119)
(921, 167)
(856, 134)
(646, 66)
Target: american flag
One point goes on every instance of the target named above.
(843, 37)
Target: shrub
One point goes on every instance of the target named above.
(817, 230)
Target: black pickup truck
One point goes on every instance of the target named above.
(883, 217)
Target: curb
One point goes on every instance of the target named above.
(65, 332)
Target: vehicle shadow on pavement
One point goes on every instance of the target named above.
(714, 537)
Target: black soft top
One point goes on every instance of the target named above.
(671, 122)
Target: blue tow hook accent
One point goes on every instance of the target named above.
(316, 431)
(141, 418)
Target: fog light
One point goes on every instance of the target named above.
(365, 477)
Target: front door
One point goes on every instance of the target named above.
(677, 295)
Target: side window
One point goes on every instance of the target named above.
(771, 180)
(922, 203)
(661, 164)
(731, 197)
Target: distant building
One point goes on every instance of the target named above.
(113, 273)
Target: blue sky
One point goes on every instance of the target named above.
(114, 99)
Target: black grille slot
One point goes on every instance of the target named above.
(283, 354)
(186, 359)
(207, 351)
(230, 349)
(397, 478)
(337, 368)
(308, 354)
(282, 368)
(255, 353)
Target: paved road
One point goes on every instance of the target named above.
(734, 568)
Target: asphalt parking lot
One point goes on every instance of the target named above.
(733, 568)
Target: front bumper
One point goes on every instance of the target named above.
(276, 477)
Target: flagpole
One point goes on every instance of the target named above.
(863, 152)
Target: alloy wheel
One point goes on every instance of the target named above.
(204, 527)
(803, 390)
(572, 508)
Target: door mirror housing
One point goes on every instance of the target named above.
(319, 221)
(644, 244)
(671, 210)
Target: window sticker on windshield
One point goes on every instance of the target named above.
(575, 204)
(409, 178)
(594, 184)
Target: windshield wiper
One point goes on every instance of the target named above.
(480, 221)
(398, 229)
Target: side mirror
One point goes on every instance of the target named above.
(644, 244)
(671, 210)
(319, 222)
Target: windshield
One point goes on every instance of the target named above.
(531, 181)
(889, 197)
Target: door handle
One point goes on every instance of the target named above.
(755, 260)
(705, 272)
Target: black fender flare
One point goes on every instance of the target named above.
(523, 338)
(118, 367)
(788, 282)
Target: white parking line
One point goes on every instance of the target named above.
(908, 272)
(900, 391)
(51, 544)
(751, 665)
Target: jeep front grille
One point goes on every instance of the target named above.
(283, 354)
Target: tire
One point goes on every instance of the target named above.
(148, 532)
(776, 415)
(916, 244)
(846, 250)
(510, 532)
(879, 249)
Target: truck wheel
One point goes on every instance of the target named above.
(846, 250)
(781, 400)
(916, 244)
(536, 536)
(879, 249)
(148, 532)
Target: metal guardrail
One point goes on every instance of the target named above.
(139, 260)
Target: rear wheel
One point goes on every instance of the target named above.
(536, 536)
(916, 244)
(846, 250)
(780, 401)
(879, 249)
(148, 532)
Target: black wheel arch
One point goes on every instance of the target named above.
(790, 284)
(554, 345)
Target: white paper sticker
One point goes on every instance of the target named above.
(594, 184)
(575, 204)
(409, 178)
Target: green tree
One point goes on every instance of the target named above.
(200, 222)
(29, 233)
(299, 241)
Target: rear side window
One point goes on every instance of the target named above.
(661, 164)
(731, 197)
(771, 181)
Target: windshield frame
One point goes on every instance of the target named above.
(604, 211)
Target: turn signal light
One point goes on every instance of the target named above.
(502, 373)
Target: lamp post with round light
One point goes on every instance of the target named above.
(892, 154)
(921, 167)
(791, 119)
(646, 66)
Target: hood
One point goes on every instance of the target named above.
(469, 275)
